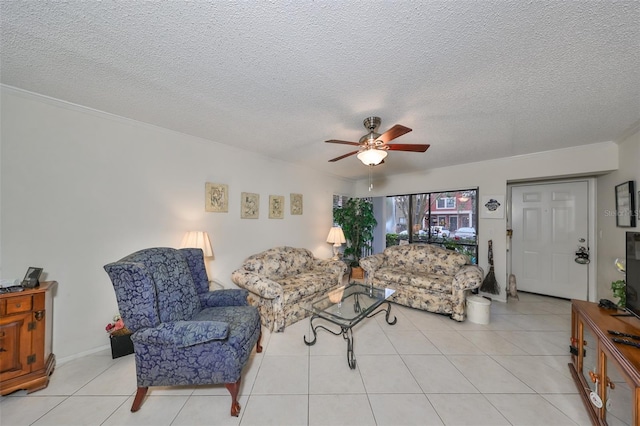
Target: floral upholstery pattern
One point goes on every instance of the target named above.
(209, 299)
(425, 277)
(282, 280)
(183, 334)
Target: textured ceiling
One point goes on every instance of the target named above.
(475, 79)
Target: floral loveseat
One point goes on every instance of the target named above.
(282, 280)
(425, 277)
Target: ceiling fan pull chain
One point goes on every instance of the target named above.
(370, 179)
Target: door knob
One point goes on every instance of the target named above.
(582, 255)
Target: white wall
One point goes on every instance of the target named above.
(492, 177)
(610, 237)
(80, 188)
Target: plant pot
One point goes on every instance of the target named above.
(357, 273)
(121, 345)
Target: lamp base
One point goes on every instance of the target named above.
(336, 252)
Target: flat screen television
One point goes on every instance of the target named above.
(633, 272)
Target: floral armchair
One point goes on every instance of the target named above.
(182, 333)
(425, 277)
(282, 280)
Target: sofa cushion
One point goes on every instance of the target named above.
(240, 319)
(298, 287)
(446, 262)
(280, 262)
(424, 259)
(434, 282)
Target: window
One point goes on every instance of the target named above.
(448, 219)
(445, 203)
(339, 200)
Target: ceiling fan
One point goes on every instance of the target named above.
(374, 146)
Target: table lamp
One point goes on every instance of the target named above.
(336, 237)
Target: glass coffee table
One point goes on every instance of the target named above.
(347, 306)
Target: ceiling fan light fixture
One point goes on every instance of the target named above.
(372, 148)
(372, 156)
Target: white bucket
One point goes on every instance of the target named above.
(478, 309)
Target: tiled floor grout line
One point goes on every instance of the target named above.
(540, 347)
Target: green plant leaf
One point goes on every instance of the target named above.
(619, 288)
(358, 222)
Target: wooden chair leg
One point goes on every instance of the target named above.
(258, 345)
(137, 401)
(233, 389)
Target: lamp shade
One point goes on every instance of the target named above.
(372, 156)
(336, 236)
(198, 239)
(335, 296)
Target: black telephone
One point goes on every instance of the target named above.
(607, 304)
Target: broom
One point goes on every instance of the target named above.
(490, 285)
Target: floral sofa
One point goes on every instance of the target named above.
(425, 277)
(282, 280)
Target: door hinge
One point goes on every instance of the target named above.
(31, 326)
(31, 359)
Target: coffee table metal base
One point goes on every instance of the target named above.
(346, 331)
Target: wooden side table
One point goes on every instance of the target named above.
(606, 373)
(26, 359)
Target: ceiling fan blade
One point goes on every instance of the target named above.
(394, 132)
(342, 142)
(408, 147)
(343, 156)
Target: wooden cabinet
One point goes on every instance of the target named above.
(606, 373)
(26, 360)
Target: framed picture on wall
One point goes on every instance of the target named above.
(32, 277)
(216, 197)
(250, 207)
(625, 205)
(276, 206)
(296, 204)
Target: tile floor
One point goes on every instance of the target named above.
(425, 370)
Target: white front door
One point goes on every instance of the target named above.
(550, 223)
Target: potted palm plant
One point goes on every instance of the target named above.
(358, 222)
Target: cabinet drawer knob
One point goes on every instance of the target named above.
(3, 350)
(594, 377)
(39, 315)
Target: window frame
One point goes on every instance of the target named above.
(463, 211)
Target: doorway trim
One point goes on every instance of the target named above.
(592, 284)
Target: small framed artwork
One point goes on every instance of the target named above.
(492, 207)
(216, 197)
(276, 207)
(32, 277)
(625, 205)
(296, 204)
(250, 206)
